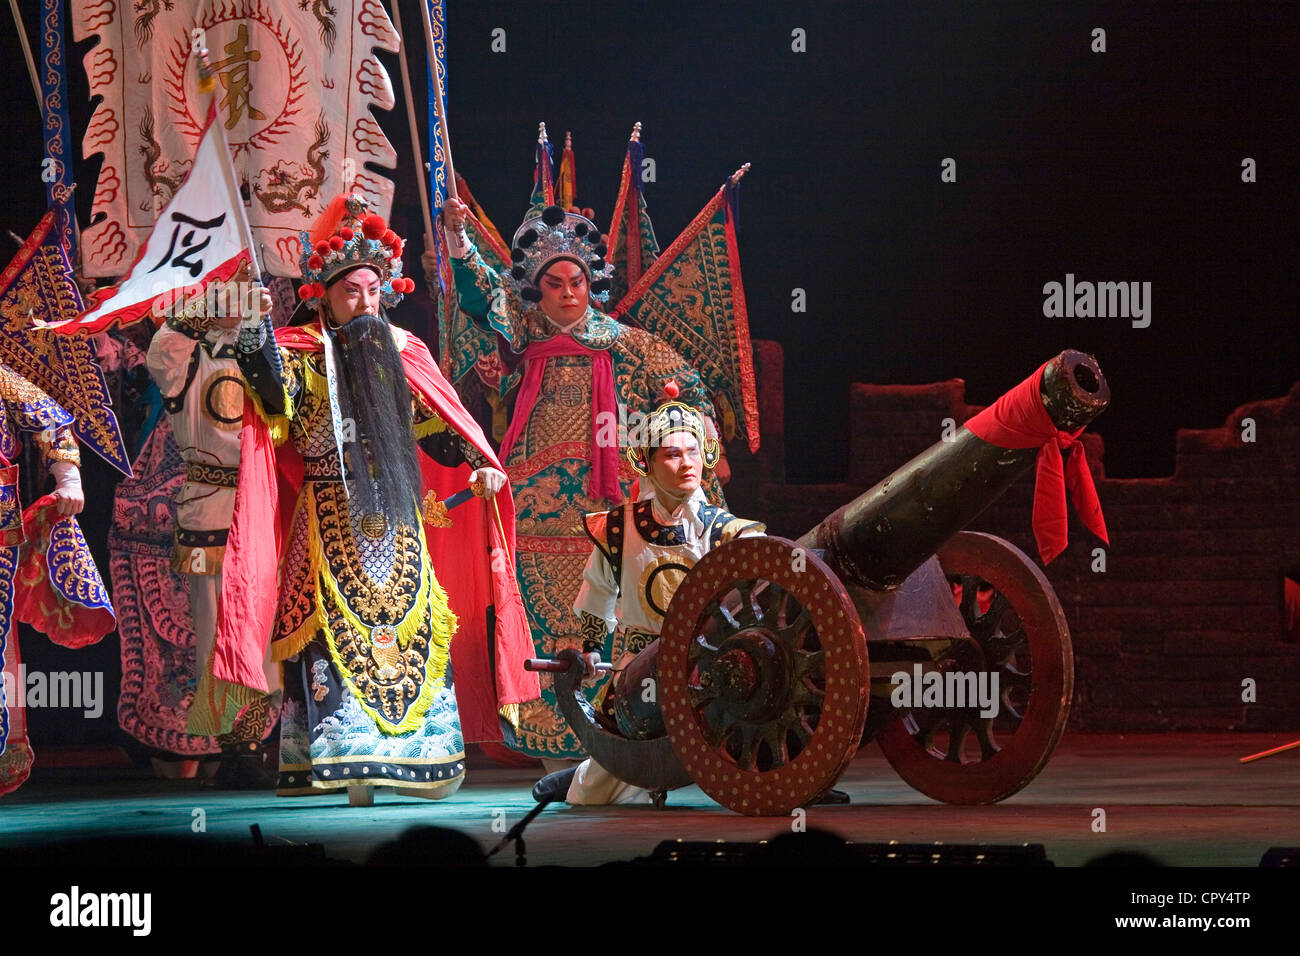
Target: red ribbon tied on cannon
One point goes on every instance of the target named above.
(1019, 420)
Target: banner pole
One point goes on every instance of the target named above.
(207, 84)
(420, 172)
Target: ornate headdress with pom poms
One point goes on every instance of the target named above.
(545, 239)
(671, 416)
(347, 237)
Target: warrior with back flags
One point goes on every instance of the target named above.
(583, 377)
(582, 373)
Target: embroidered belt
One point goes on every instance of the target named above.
(222, 476)
(324, 468)
(185, 538)
(636, 640)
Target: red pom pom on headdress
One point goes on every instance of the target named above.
(671, 389)
(373, 226)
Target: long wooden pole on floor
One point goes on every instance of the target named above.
(1268, 753)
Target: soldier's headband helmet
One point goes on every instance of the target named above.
(549, 237)
(345, 237)
(671, 416)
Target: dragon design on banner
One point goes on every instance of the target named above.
(296, 86)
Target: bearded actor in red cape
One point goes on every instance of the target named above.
(343, 549)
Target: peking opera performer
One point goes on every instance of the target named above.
(351, 442)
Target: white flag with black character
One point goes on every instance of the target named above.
(197, 240)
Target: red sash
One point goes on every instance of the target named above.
(604, 455)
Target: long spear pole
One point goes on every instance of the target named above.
(40, 105)
(27, 55)
(425, 205)
(207, 86)
(437, 99)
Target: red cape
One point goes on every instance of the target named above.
(473, 560)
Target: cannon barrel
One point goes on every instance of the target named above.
(886, 533)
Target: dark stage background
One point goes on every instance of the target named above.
(1116, 166)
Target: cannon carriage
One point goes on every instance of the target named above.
(778, 659)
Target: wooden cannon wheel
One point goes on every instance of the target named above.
(957, 756)
(763, 676)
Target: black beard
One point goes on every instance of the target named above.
(375, 395)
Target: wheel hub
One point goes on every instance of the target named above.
(751, 675)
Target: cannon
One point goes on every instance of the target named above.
(778, 659)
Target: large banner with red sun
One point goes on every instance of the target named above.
(295, 88)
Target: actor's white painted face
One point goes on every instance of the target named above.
(677, 465)
(357, 293)
(564, 293)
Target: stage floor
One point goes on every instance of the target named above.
(1181, 798)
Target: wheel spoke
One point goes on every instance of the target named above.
(968, 602)
(702, 651)
(984, 734)
(746, 614)
(782, 608)
(716, 723)
(958, 730)
(997, 607)
(1012, 678)
(809, 663)
(700, 694)
(723, 618)
(1009, 708)
(774, 734)
(999, 647)
(748, 740)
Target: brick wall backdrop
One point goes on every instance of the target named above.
(1191, 600)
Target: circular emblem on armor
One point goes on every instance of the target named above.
(374, 525)
(570, 396)
(223, 400)
(659, 582)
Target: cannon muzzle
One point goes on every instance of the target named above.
(886, 533)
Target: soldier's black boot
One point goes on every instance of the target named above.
(553, 786)
(243, 767)
(832, 798)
